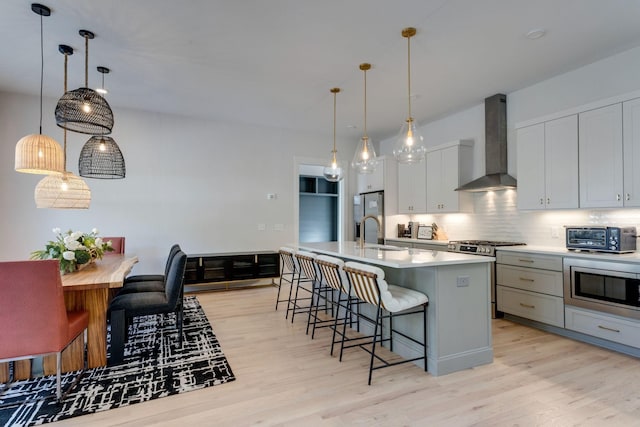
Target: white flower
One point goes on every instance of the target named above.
(94, 231)
(69, 255)
(76, 235)
(98, 241)
(72, 244)
(56, 230)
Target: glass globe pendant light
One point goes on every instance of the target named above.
(66, 190)
(83, 110)
(333, 172)
(364, 160)
(409, 146)
(38, 153)
(100, 156)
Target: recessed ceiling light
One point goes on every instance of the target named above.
(536, 33)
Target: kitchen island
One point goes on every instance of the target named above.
(459, 315)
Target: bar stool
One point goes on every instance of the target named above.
(307, 280)
(288, 273)
(368, 283)
(332, 280)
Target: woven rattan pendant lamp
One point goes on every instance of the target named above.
(38, 153)
(364, 160)
(333, 172)
(66, 190)
(83, 110)
(100, 156)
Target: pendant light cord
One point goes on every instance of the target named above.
(409, 73)
(41, 70)
(365, 103)
(334, 125)
(64, 153)
(86, 61)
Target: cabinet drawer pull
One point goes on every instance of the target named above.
(618, 197)
(608, 329)
(628, 197)
(524, 279)
(526, 260)
(527, 305)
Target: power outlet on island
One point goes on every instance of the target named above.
(462, 281)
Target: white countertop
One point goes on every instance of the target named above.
(392, 256)
(552, 250)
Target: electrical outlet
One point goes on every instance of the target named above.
(555, 232)
(462, 281)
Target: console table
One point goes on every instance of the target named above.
(230, 267)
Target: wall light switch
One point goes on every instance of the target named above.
(462, 281)
(272, 196)
(262, 227)
(278, 227)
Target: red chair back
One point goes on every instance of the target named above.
(33, 318)
(117, 243)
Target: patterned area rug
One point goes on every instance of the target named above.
(154, 366)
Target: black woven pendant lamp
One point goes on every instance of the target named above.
(100, 156)
(83, 110)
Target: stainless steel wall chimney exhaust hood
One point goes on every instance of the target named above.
(495, 124)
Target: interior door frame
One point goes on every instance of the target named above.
(343, 187)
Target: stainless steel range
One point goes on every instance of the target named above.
(486, 248)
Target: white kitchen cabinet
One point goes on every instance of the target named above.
(384, 178)
(601, 157)
(373, 181)
(412, 188)
(449, 166)
(631, 147)
(530, 286)
(548, 165)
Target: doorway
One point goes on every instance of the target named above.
(320, 206)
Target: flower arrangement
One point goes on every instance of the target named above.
(73, 248)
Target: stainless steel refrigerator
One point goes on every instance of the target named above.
(369, 204)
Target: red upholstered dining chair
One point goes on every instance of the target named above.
(33, 317)
(117, 243)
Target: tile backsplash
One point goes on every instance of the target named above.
(496, 217)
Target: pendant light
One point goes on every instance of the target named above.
(38, 153)
(100, 156)
(101, 90)
(409, 146)
(66, 190)
(364, 160)
(83, 110)
(333, 172)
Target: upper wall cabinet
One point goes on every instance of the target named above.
(412, 188)
(384, 178)
(631, 150)
(601, 157)
(449, 166)
(548, 165)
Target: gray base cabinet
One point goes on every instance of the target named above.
(530, 286)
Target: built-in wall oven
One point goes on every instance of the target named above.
(603, 285)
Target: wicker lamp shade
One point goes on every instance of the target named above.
(101, 158)
(39, 154)
(83, 110)
(64, 191)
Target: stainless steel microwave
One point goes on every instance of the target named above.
(601, 238)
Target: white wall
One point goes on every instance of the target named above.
(202, 184)
(495, 215)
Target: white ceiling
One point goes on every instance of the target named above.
(272, 62)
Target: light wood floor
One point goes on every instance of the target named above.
(285, 378)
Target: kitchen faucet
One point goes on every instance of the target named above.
(362, 221)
